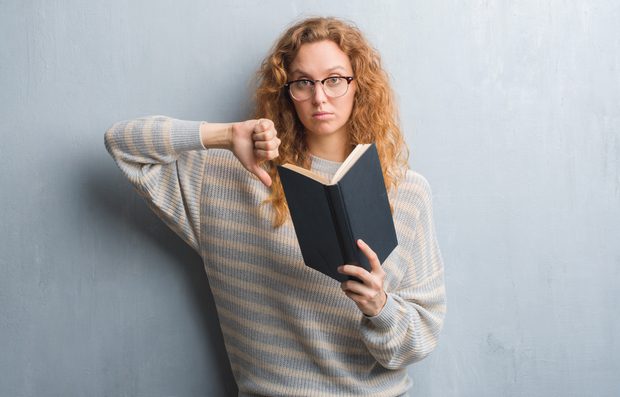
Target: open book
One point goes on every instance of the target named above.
(330, 215)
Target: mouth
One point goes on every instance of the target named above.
(321, 115)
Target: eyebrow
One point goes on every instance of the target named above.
(330, 70)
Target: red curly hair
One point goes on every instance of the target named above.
(374, 117)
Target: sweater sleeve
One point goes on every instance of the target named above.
(408, 327)
(164, 160)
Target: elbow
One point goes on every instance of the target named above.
(391, 365)
(425, 350)
(108, 139)
(410, 356)
(423, 338)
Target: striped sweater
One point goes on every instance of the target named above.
(288, 329)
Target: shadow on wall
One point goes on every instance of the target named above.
(117, 206)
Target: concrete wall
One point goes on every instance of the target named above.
(511, 110)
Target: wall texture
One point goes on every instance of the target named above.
(511, 110)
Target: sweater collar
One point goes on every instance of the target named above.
(324, 167)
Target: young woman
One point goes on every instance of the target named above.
(290, 330)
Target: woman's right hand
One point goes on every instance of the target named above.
(251, 141)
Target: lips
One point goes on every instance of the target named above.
(322, 115)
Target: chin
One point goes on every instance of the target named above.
(323, 130)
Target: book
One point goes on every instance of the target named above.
(330, 215)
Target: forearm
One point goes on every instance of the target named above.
(216, 135)
(405, 331)
(151, 140)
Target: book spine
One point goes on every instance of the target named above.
(347, 244)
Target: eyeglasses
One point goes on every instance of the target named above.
(333, 86)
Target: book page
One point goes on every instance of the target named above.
(342, 170)
(348, 163)
(305, 172)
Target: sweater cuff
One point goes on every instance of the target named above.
(185, 135)
(386, 317)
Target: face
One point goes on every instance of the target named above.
(320, 114)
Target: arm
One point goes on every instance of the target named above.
(402, 326)
(164, 158)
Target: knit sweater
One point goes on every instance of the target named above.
(288, 329)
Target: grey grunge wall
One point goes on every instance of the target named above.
(511, 111)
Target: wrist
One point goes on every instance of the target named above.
(380, 306)
(216, 135)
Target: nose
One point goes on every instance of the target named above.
(318, 95)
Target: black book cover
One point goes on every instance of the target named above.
(329, 217)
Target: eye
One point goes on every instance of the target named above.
(301, 84)
(333, 81)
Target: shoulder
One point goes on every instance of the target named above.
(413, 190)
(413, 200)
(413, 211)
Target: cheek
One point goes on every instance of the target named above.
(349, 99)
(351, 104)
(348, 105)
(302, 110)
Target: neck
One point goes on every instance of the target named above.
(332, 147)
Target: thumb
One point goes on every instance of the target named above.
(262, 175)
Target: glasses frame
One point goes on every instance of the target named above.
(287, 85)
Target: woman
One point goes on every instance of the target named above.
(290, 330)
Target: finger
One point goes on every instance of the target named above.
(355, 297)
(357, 288)
(360, 301)
(263, 125)
(266, 145)
(356, 271)
(264, 135)
(266, 154)
(375, 264)
(262, 175)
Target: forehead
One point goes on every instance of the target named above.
(316, 59)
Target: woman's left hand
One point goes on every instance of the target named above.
(368, 294)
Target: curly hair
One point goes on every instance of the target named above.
(374, 117)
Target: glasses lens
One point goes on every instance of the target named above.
(335, 86)
(302, 89)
